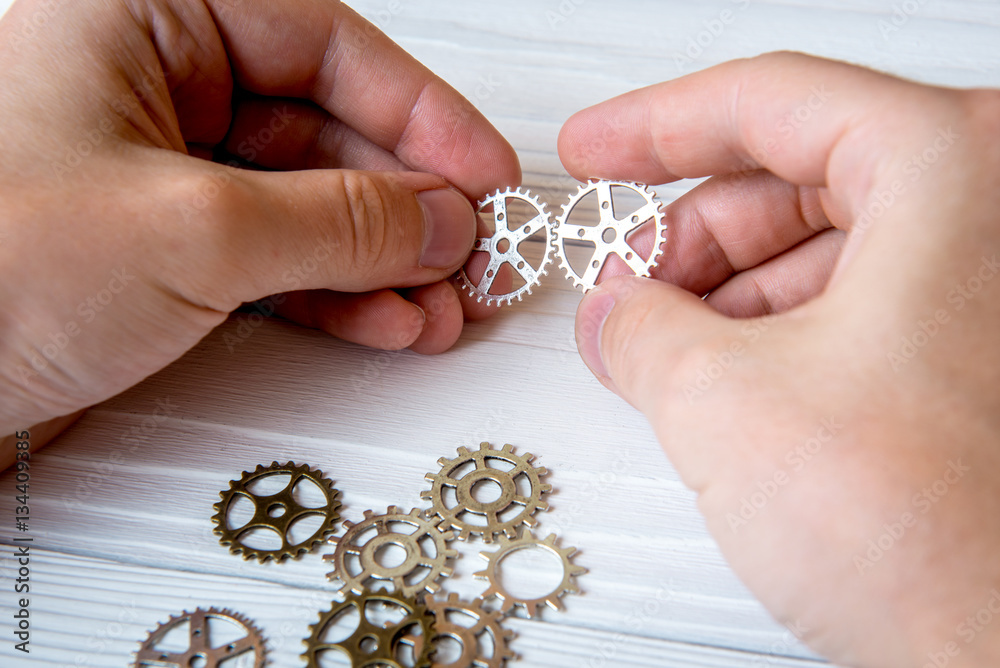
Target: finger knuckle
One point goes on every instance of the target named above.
(366, 209)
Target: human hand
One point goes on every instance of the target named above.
(834, 400)
(122, 244)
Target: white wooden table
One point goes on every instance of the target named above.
(121, 503)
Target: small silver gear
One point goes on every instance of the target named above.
(276, 512)
(609, 236)
(528, 541)
(484, 624)
(200, 650)
(504, 247)
(373, 645)
(363, 551)
(492, 511)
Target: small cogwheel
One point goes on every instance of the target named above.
(374, 643)
(484, 642)
(610, 235)
(276, 512)
(243, 647)
(528, 541)
(496, 516)
(504, 247)
(357, 557)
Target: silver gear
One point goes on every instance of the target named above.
(367, 557)
(513, 238)
(491, 511)
(564, 232)
(528, 541)
(486, 623)
(200, 645)
(372, 645)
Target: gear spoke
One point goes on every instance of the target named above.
(566, 232)
(513, 234)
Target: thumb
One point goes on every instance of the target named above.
(348, 231)
(640, 337)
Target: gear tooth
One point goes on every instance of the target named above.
(542, 506)
(464, 534)
(427, 494)
(462, 450)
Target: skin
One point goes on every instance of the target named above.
(123, 243)
(776, 397)
(851, 478)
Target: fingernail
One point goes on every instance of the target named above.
(449, 228)
(593, 313)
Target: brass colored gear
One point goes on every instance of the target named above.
(451, 620)
(528, 541)
(200, 651)
(504, 247)
(610, 236)
(496, 517)
(374, 645)
(356, 559)
(276, 512)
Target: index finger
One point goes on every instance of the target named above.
(325, 52)
(812, 122)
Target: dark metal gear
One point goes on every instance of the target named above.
(452, 618)
(356, 561)
(276, 512)
(200, 649)
(374, 645)
(497, 520)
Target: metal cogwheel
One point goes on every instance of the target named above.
(246, 651)
(475, 629)
(496, 515)
(356, 559)
(528, 541)
(374, 644)
(276, 512)
(610, 235)
(504, 247)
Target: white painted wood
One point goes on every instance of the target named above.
(121, 523)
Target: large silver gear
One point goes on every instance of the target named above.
(528, 541)
(470, 636)
(609, 226)
(510, 239)
(250, 648)
(372, 645)
(520, 466)
(366, 553)
(276, 512)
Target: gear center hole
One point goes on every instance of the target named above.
(503, 246)
(391, 555)
(531, 573)
(486, 491)
(276, 510)
(609, 236)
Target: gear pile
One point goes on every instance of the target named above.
(611, 236)
(388, 616)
